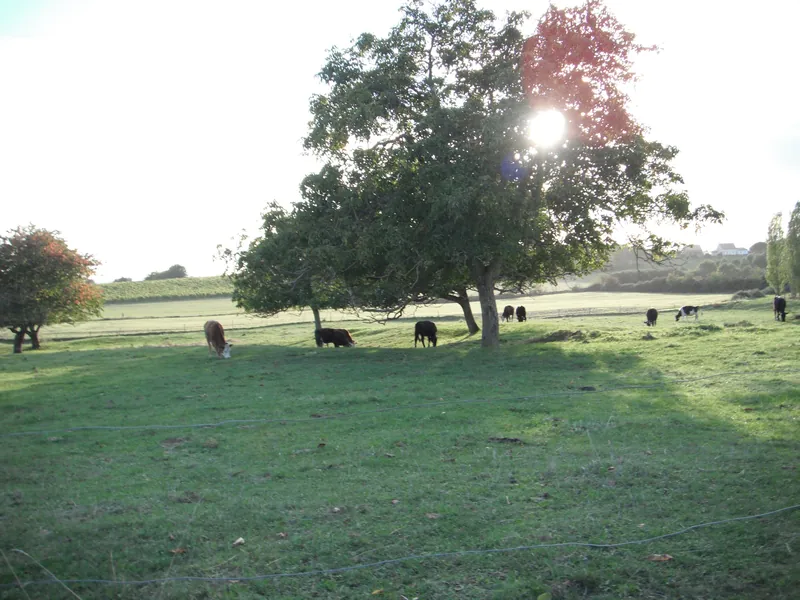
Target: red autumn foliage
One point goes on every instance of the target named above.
(578, 63)
(43, 281)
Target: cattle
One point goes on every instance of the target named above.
(215, 338)
(779, 307)
(337, 337)
(425, 329)
(688, 311)
(521, 314)
(508, 313)
(652, 317)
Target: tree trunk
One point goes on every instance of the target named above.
(18, 337)
(33, 333)
(485, 276)
(317, 320)
(462, 299)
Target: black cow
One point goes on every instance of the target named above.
(652, 317)
(779, 307)
(508, 313)
(425, 329)
(337, 337)
(688, 311)
(521, 314)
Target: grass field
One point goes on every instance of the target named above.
(343, 457)
(166, 289)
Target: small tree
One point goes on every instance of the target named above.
(777, 273)
(174, 272)
(283, 269)
(43, 282)
(706, 267)
(122, 280)
(793, 250)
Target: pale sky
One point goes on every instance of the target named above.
(149, 131)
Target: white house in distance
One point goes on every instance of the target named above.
(729, 250)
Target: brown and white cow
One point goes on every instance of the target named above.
(215, 338)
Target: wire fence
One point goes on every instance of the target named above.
(382, 563)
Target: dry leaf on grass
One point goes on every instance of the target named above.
(171, 538)
(377, 592)
(170, 443)
(432, 515)
(321, 445)
(395, 501)
(178, 551)
(387, 455)
(659, 557)
(283, 535)
(238, 542)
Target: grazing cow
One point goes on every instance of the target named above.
(779, 306)
(652, 317)
(425, 329)
(508, 313)
(215, 338)
(337, 337)
(688, 311)
(521, 314)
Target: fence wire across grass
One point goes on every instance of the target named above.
(285, 420)
(380, 563)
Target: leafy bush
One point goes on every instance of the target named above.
(122, 280)
(174, 272)
(747, 294)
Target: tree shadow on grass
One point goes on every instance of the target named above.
(527, 456)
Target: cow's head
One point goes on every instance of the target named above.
(678, 316)
(226, 352)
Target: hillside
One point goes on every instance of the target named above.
(166, 289)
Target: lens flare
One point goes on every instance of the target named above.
(546, 129)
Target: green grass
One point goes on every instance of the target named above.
(166, 289)
(617, 464)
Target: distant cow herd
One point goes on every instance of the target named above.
(215, 334)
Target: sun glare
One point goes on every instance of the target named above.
(547, 128)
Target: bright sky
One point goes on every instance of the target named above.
(149, 131)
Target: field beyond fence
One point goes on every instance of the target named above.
(166, 289)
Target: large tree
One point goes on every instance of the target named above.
(43, 282)
(437, 113)
(793, 250)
